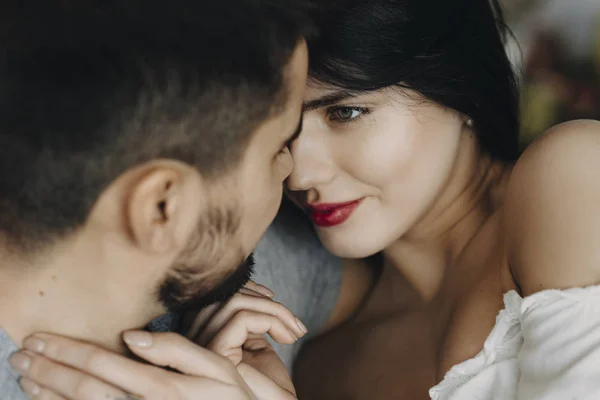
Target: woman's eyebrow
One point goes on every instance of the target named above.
(327, 100)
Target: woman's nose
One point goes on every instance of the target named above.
(313, 164)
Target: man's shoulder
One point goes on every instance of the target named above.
(9, 379)
(9, 385)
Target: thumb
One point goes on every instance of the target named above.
(176, 352)
(264, 387)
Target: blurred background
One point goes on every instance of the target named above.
(558, 56)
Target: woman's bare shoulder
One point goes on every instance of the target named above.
(552, 210)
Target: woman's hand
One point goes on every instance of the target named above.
(246, 366)
(236, 330)
(58, 368)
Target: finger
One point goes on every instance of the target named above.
(45, 378)
(207, 389)
(116, 370)
(175, 351)
(258, 304)
(265, 360)
(203, 317)
(252, 292)
(262, 289)
(264, 387)
(35, 391)
(230, 340)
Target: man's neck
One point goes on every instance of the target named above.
(77, 302)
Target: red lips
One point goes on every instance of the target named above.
(331, 214)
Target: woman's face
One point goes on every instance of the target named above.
(368, 168)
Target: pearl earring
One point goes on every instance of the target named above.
(469, 122)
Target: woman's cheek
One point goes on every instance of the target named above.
(381, 156)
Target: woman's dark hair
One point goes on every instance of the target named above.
(452, 52)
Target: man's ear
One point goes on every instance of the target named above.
(164, 206)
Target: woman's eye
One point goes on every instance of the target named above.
(345, 114)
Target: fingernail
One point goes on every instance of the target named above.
(34, 344)
(20, 362)
(29, 387)
(138, 338)
(301, 325)
(265, 291)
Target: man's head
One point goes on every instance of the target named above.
(146, 137)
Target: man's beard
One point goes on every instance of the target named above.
(179, 294)
(196, 279)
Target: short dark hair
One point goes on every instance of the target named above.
(89, 89)
(452, 52)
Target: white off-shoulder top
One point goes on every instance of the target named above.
(544, 346)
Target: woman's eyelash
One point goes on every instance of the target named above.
(346, 114)
(338, 114)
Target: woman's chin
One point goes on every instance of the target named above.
(346, 246)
